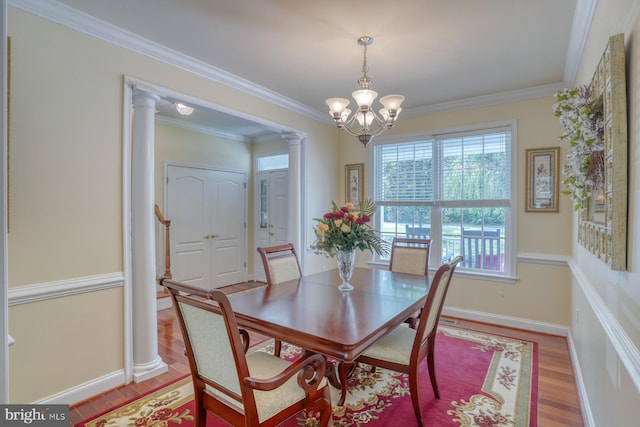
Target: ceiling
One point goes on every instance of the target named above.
(433, 52)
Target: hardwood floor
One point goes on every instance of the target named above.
(558, 403)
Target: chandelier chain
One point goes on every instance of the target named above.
(365, 80)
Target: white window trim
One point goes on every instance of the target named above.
(509, 275)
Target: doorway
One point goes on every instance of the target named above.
(141, 357)
(271, 213)
(208, 209)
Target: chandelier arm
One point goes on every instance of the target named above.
(380, 126)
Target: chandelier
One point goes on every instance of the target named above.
(365, 123)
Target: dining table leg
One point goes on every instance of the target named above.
(337, 373)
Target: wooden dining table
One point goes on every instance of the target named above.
(312, 313)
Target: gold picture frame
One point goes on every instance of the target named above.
(602, 226)
(354, 183)
(542, 179)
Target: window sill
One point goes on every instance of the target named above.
(461, 272)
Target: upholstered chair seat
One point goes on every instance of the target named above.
(403, 349)
(394, 347)
(269, 403)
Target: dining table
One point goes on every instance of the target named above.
(312, 313)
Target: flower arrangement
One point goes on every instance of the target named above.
(583, 122)
(346, 229)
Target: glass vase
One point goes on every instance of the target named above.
(346, 262)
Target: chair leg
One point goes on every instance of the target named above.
(324, 406)
(200, 412)
(415, 395)
(431, 364)
(278, 348)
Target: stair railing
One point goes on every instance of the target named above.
(167, 243)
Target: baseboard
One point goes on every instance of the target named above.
(585, 408)
(508, 321)
(86, 390)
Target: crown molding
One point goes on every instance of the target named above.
(200, 129)
(582, 19)
(485, 100)
(87, 24)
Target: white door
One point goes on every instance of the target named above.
(207, 210)
(271, 207)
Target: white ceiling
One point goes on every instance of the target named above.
(433, 52)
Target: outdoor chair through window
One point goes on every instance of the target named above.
(482, 249)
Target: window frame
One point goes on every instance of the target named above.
(511, 210)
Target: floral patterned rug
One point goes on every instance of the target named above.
(485, 380)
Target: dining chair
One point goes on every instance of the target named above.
(410, 255)
(242, 388)
(403, 349)
(280, 265)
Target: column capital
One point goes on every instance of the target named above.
(143, 98)
(294, 138)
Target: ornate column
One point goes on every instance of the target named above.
(294, 229)
(146, 361)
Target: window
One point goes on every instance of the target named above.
(273, 162)
(455, 189)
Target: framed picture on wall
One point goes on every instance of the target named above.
(354, 183)
(542, 180)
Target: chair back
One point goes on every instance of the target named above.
(280, 263)
(213, 343)
(428, 325)
(410, 256)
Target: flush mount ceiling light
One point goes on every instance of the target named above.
(185, 110)
(365, 123)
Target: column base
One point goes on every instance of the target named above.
(145, 371)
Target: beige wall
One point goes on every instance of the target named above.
(541, 292)
(64, 342)
(66, 192)
(177, 145)
(605, 312)
(66, 208)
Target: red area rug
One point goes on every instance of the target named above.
(485, 380)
